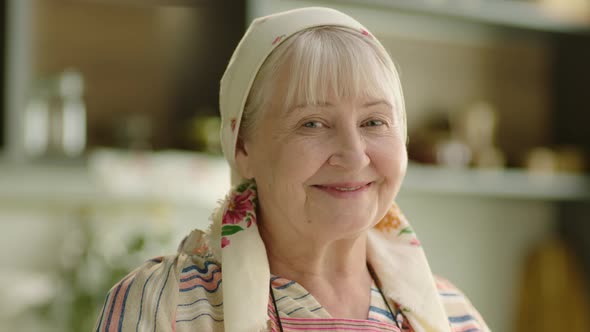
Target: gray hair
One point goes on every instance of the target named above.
(325, 60)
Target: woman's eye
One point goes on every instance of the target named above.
(373, 123)
(312, 124)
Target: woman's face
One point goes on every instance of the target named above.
(327, 171)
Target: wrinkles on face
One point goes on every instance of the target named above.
(337, 142)
(339, 125)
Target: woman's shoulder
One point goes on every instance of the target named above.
(135, 301)
(462, 314)
(166, 291)
(200, 298)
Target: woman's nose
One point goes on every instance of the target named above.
(349, 151)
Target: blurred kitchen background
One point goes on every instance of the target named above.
(110, 152)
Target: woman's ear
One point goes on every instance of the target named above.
(243, 160)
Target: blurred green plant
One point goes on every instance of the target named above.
(86, 274)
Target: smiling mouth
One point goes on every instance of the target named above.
(344, 188)
(347, 188)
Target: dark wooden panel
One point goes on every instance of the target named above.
(571, 79)
(571, 126)
(161, 62)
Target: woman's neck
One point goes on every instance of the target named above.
(334, 272)
(299, 258)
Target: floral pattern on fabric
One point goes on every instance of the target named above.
(366, 33)
(278, 39)
(394, 221)
(391, 221)
(240, 212)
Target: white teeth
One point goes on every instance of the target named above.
(348, 189)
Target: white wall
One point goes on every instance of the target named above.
(479, 244)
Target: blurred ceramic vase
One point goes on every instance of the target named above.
(55, 118)
(553, 293)
(477, 127)
(453, 153)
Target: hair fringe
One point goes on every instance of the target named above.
(324, 62)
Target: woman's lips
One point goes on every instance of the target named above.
(344, 190)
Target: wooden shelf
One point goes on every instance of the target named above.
(511, 183)
(117, 184)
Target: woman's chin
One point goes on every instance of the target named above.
(341, 226)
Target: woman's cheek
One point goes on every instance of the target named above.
(308, 148)
(292, 159)
(388, 155)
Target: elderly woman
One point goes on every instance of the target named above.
(309, 238)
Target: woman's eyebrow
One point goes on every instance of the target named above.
(377, 102)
